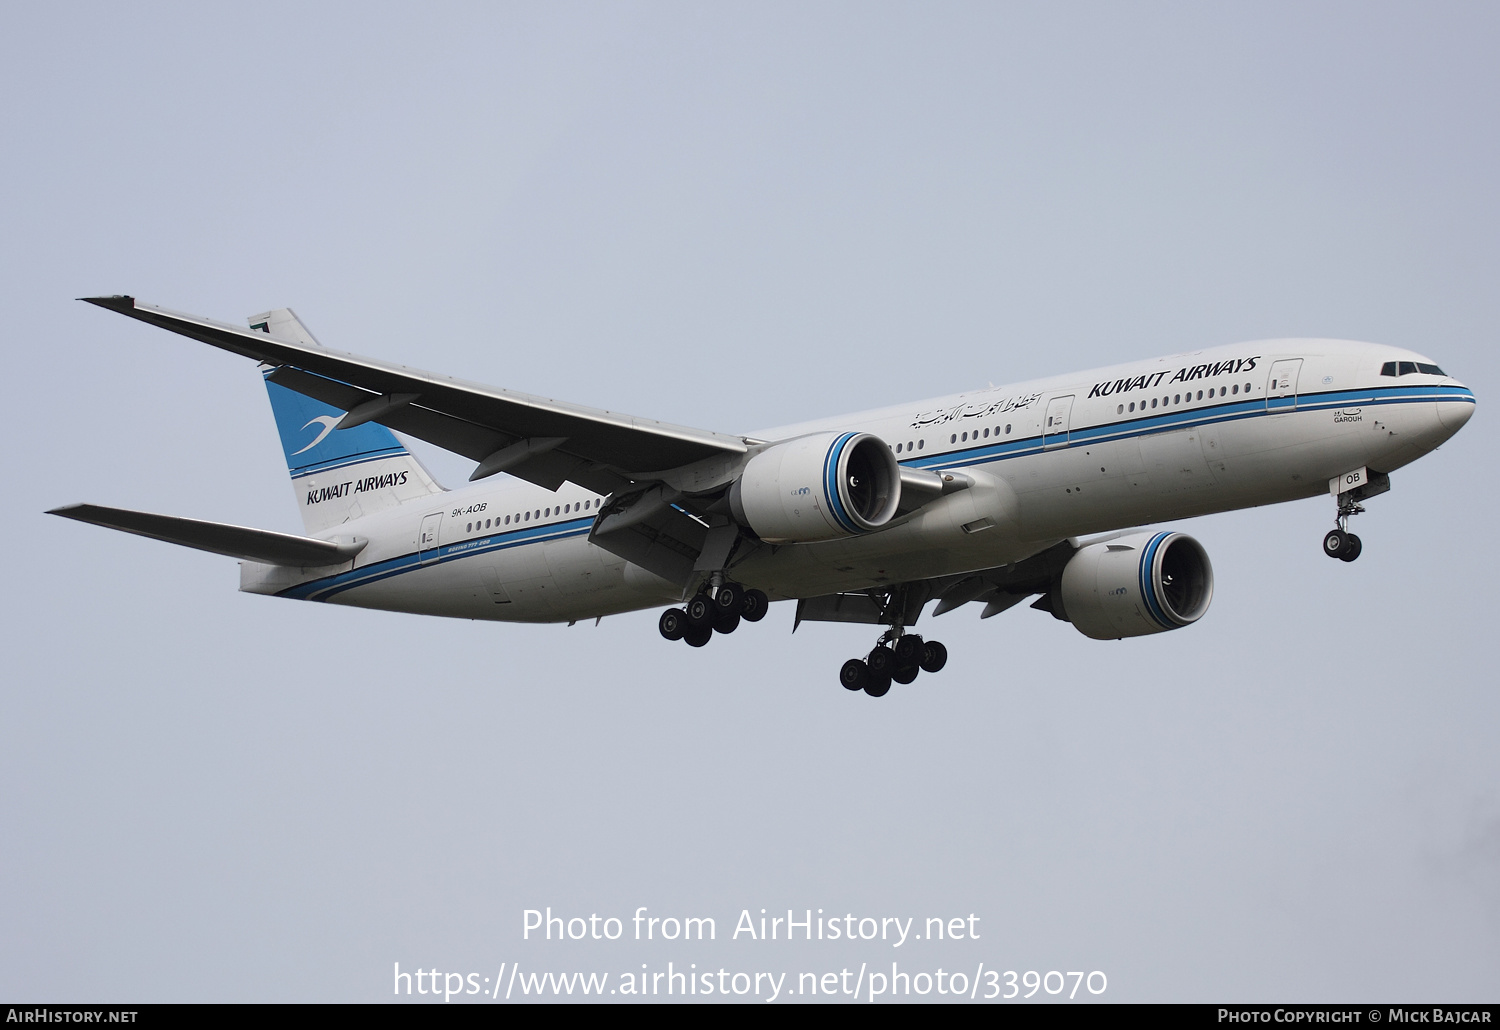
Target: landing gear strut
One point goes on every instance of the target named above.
(1340, 543)
(716, 609)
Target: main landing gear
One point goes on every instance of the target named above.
(713, 610)
(1340, 543)
(897, 657)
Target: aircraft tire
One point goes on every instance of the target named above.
(934, 656)
(1336, 543)
(881, 662)
(700, 612)
(727, 623)
(729, 600)
(907, 651)
(904, 674)
(756, 605)
(673, 623)
(1351, 552)
(855, 675)
(697, 636)
(879, 686)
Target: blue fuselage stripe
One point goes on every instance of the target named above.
(322, 589)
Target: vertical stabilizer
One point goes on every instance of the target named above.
(337, 474)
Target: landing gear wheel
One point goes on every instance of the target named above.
(700, 612)
(1353, 549)
(855, 675)
(881, 663)
(756, 605)
(908, 651)
(1336, 544)
(905, 673)
(673, 623)
(934, 656)
(730, 599)
(697, 636)
(879, 686)
(727, 623)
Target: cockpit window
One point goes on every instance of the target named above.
(1406, 368)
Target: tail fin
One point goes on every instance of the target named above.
(337, 474)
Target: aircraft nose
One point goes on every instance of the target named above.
(1456, 412)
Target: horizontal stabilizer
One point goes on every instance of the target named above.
(258, 545)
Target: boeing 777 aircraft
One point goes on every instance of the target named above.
(978, 497)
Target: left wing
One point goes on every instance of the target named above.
(1000, 588)
(538, 439)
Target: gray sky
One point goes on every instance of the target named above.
(737, 216)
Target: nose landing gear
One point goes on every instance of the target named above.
(1340, 543)
(1348, 491)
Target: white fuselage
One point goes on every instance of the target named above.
(1168, 438)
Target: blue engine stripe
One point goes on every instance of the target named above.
(831, 480)
(1148, 582)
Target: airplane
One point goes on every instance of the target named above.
(1032, 490)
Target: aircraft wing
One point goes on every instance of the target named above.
(1000, 588)
(538, 439)
(258, 545)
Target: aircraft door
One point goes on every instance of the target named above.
(427, 537)
(1281, 385)
(1055, 423)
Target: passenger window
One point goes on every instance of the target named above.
(1132, 405)
(921, 444)
(1236, 388)
(1153, 402)
(1119, 409)
(1007, 429)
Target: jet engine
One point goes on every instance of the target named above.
(1134, 585)
(818, 487)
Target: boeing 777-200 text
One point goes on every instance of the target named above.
(978, 497)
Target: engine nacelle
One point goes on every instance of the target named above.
(818, 487)
(1134, 585)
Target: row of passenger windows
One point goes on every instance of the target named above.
(964, 437)
(1183, 398)
(1407, 368)
(526, 516)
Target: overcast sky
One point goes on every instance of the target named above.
(733, 216)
